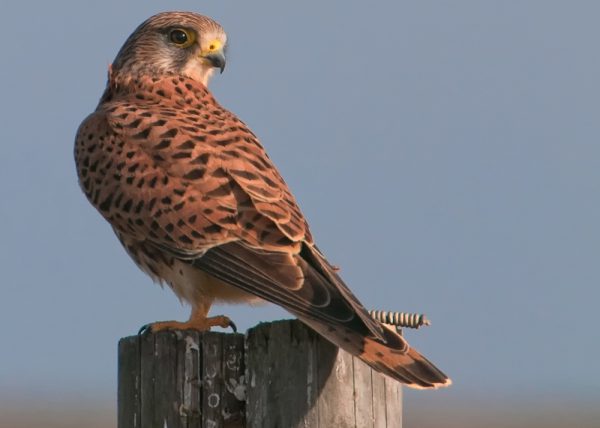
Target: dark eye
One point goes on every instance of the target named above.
(179, 37)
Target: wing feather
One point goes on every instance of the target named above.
(253, 272)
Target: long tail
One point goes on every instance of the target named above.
(395, 358)
(308, 287)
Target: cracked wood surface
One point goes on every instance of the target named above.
(280, 375)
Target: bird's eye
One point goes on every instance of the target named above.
(181, 37)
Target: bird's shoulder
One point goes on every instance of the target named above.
(210, 157)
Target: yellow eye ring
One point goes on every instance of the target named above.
(181, 37)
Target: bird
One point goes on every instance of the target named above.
(198, 204)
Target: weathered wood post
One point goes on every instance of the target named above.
(181, 379)
(281, 375)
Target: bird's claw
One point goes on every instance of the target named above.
(205, 325)
(146, 328)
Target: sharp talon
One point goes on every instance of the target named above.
(144, 329)
(194, 324)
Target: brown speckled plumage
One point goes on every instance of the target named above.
(198, 204)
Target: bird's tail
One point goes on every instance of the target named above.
(395, 358)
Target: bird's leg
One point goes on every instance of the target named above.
(198, 321)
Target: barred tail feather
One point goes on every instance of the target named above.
(395, 358)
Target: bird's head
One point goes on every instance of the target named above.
(182, 43)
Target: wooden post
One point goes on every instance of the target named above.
(181, 380)
(281, 375)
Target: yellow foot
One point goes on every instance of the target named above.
(193, 324)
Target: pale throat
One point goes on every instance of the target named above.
(198, 71)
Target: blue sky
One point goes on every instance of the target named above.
(446, 155)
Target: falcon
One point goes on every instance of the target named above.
(198, 204)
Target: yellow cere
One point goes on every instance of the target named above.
(215, 45)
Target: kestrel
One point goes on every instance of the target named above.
(198, 204)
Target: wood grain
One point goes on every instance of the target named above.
(281, 375)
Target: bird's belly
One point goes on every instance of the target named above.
(189, 283)
(194, 286)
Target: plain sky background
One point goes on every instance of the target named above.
(446, 155)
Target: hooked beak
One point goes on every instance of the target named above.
(216, 59)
